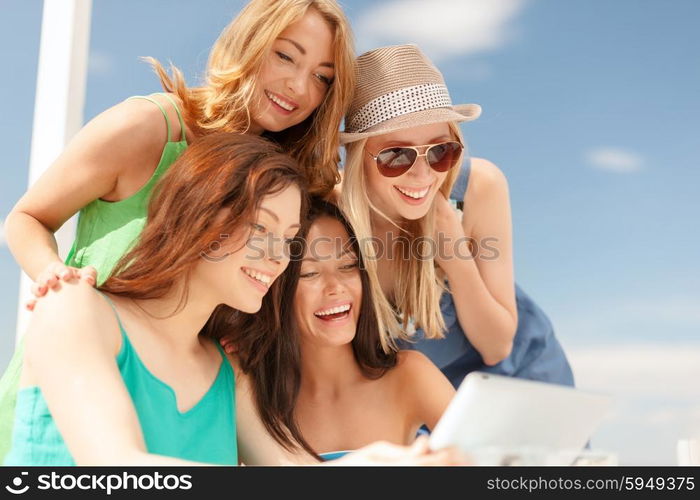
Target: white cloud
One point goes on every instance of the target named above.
(658, 398)
(673, 310)
(442, 28)
(640, 370)
(615, 160)
(100, 63)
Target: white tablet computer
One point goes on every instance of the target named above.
(494, 412)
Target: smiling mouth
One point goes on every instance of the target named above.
(263, 279)
(282, 103)
(416, 194)
(334, 313)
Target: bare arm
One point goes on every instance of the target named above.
(257, 447)
(112, 153)
(73, 363)
(483, 288)
(427, 392)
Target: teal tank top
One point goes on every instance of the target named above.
(332, 455)
(106, 231)
(205, 433)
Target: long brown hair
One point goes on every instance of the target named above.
(267, 343)
(223, 101)
(219, 171)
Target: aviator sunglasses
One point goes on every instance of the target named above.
(395, 161)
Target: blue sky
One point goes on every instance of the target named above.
(592, 110)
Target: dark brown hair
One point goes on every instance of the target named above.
(267, 343)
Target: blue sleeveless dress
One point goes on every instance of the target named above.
(536, 353)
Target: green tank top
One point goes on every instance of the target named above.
(205, 433)
(106, 231)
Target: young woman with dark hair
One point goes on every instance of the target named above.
(342, 390)
(122, 375)
(282, 69)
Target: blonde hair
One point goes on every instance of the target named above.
(223, 102)
(416, 285)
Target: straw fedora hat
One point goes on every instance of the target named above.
(397, 88)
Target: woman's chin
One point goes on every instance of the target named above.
(247, 306)
(414, 213)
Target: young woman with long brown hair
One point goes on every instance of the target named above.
(281, 69)
(121, 375)
(342, 390)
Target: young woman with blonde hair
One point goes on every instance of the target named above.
(281, 69)
(448, 275)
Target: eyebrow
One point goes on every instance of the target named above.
(389, 144)
(301, 49)
(444, 137)
(274, 216)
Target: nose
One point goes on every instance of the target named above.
(277, 252)
(332, 285)
(297, 83)
(421, 169)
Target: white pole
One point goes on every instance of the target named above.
(58, 105)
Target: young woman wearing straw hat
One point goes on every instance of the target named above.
(281, 69)
(450, 276)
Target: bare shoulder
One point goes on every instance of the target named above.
(140, 123)
(424, 390)
(125, 143)
(76, 312)
(170, 103)
(138, 120)
(487, 195)
(486, 176)
(74, 298)
(413, 365)
(127, 134)
(407, 358)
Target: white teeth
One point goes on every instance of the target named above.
(333, 310)
(278, 101)
(414, 194)
(262, 278)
